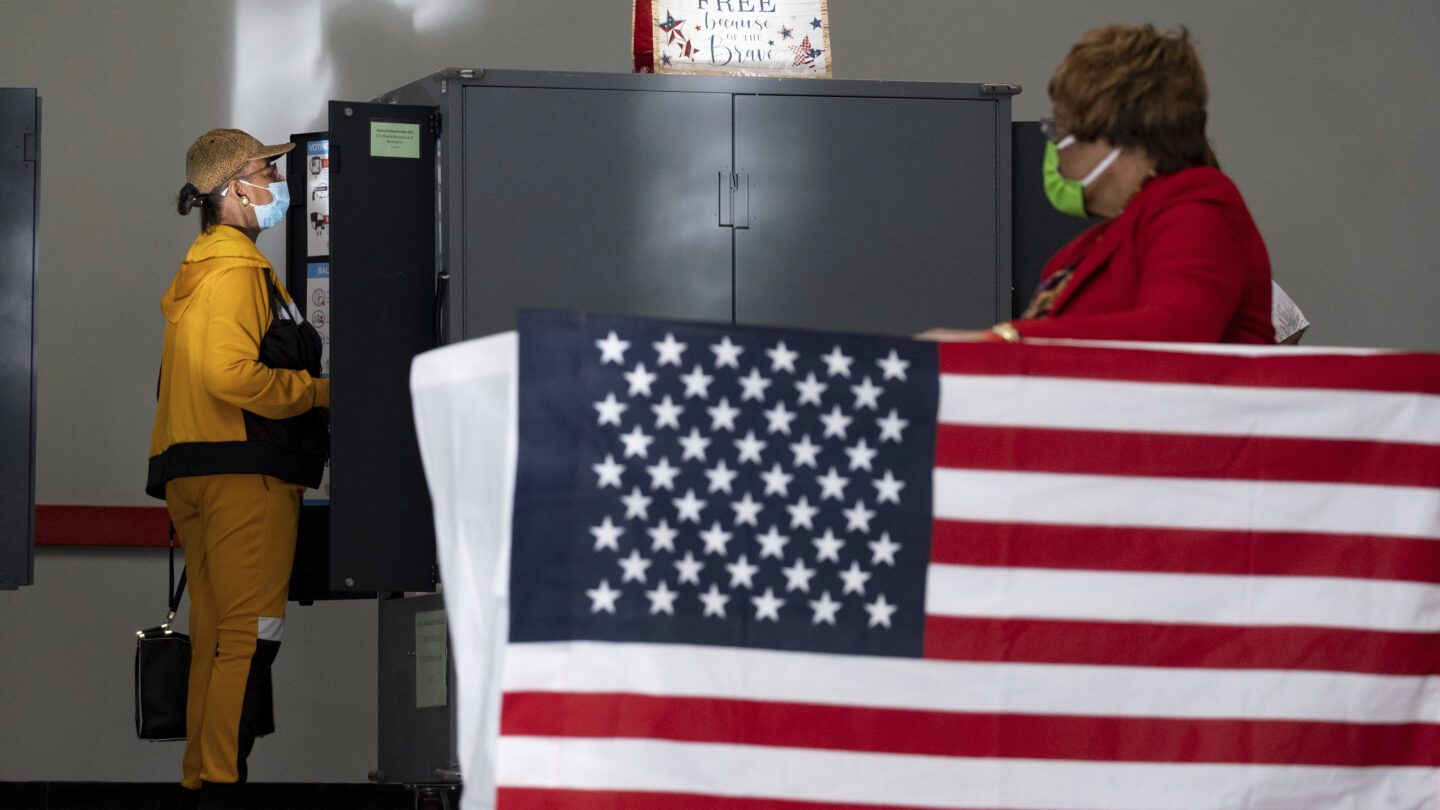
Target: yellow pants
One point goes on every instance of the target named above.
(238, 532)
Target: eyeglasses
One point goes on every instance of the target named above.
(271, 170)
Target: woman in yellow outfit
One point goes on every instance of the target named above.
(240, 431)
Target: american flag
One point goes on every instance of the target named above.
(775, 569)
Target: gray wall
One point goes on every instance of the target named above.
(1323, 111)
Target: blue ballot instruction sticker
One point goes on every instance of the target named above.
(394, 139)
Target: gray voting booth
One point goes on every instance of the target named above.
(464, 196)
(19, 262)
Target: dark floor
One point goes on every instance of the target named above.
(162, 796)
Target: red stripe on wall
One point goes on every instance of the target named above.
(514, 798)
(1184, 551)
(1250, 458)
(970, 734)
(68, 525)
(1414, 372)
(1182, 646)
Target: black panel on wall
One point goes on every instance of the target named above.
(19, 224)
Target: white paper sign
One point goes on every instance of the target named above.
(317, 198)
(745, 37)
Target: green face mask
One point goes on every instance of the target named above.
(1068, 196)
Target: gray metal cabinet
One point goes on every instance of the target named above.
(866, 206)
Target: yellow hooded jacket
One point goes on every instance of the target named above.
(215, 395)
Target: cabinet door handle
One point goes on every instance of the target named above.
(734, 199)
(723, 183)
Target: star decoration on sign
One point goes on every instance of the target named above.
(786, 33)
(816, 23)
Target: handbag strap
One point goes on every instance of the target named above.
(175, 591)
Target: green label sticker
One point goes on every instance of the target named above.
(394, 139)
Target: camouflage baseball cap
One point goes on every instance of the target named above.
(220, 153)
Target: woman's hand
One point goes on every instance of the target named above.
(955, 335)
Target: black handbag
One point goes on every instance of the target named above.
(162, 671)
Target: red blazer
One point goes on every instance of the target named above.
(1183, 262)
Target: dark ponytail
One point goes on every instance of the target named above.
(209, 205)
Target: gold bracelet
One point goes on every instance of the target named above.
(1006, 331)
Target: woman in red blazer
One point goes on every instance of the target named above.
(1177, 257)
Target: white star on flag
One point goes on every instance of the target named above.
(662, 599)
(722, 415)
(778, 419)
(860, 455)
(697, 383)
(825, 609)
(750, 448)
(670, 350)
(688, 568)
(827, 547)
(802, 513)
(880, 611)
(637, 505)
(892, 366)
(781, 358)
(772, 543)
(727, 353)
(637, 443)
(754, 386)
(797, 576)
(777, 481)
(716, 539)
(602, 598)
(747, 511)
(767, 606)
(888, 488)
(662, 474)
(837, 363)
(612, 349)
(687, 507)
(721, 477)
(714, 601)
(694, 446)
(805, 451)
(667, 413)
(607, 535)
(810, 390)
(609, 471)
(832, 485)
(742, 573)
(640, 380)
(634, 567)
(867, 394)
(883, 550)
(610, 409)
(836, 423)
(858, 517)
(855, 578)
(891, 427)
(662, 536)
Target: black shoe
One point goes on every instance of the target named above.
(222, 796)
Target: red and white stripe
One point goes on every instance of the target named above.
(1161, 578)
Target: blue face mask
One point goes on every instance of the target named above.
(270, 214)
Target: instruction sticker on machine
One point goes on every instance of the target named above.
(432, 662)
(317, 198)
(394, 139)
(317, 312)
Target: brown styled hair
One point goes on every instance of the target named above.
(1135, 86)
